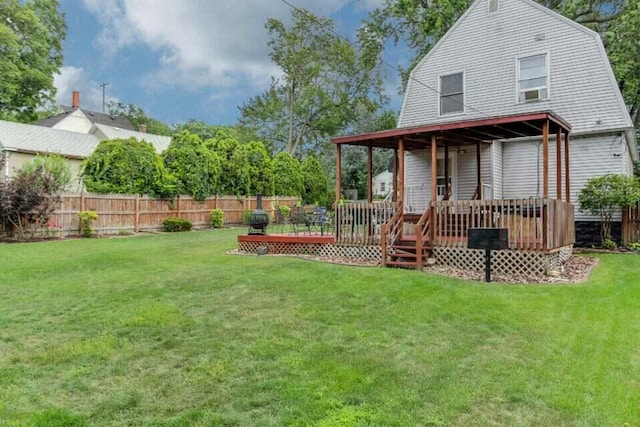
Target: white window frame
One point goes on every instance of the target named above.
(548, 82)
(464, 91)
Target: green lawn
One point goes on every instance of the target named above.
(169, 330)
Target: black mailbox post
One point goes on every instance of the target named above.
(488, 239)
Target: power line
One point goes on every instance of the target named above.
(382, 60)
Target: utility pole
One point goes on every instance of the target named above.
(103, 86)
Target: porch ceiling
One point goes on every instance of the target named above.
(461, 132)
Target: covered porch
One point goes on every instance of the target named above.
(408, 231)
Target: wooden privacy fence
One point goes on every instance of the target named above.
(122, 214)
(631, 224)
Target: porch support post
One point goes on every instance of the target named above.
(394, 195)
(567, 182)
(478, 170)
(338, 173)
(401, 173)
(370, 174)
(434, 169)
(446, 169)
(338, 189)
(559, 163)
(434, 190)
(545, 159)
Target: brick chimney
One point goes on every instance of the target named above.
(142, 128)
(75, 99)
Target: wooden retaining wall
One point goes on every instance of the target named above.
(124, 214)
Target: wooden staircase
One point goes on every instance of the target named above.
(406, 251)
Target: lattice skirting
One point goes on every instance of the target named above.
(503, 262)
(369, 253)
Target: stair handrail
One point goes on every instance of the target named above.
(391, 231)
(422, 232)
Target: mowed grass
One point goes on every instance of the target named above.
(169, 330)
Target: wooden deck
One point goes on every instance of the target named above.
(313, 237)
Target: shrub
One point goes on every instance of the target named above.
(246, 217)
(86, 222)
(603, 195)
(286, 211)
(635, 246)
(176, 224)
(609, 244)
(217, 218)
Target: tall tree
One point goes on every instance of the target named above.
(195, 167)
(137, 116)
(324, 78)
(31, 36)
(287, 175)
(253, 169)
(127, 166)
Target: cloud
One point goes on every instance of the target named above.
(76, 78)
(201, 43)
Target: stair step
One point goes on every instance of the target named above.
(406, 264)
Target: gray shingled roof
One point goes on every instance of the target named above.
(95, 118)
(38, 139)
(159, 142)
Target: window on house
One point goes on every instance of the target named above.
(451, 93)
(533, 78)
(382, 187)
(493, 6)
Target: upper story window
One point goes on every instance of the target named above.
(493, 6)
(533, 78)
(451, 93)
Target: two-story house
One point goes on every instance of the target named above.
(503, 123)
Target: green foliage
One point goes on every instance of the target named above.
(246, 217)
(609, 244)
(194, 166)
(314, 182)
(287, 175)
(176, 224)
(86, 222)
(224, 144)
(603, 195)
(253, 169)
(286, 211)
(56, 166)
(217, 218)
(137, 116)
(325, 78)
(635, 246)
(31, 36)
(127, 166)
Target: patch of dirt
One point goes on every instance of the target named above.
(576, 270)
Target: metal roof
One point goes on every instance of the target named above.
(461, 132)
(37, 139)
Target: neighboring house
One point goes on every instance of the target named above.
(382, 184)
(74, 136)
(76, 119)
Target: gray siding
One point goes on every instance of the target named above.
(582, 89)
(418, 174)
(496, 181)
(589, 157)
